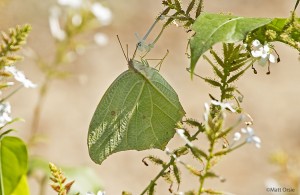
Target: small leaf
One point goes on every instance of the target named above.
(178, 5)
(236, 76)
(195, 123)
(228, 96)
(193, 170)
(190, 7)
(212, 82)
(217, 58)
(211, 174)
(177, 173)
(237, 66)
(181, 151)
(216, 70)
(199, 8)
(198, 153)
(156, 160)
(167, 177)
(126, 193)
(213, 28)
(166, 11)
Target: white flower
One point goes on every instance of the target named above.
(223, 105)
(98, 193)
(262, 52)
(100, 39)
(76, 20)
(55, 28)
(5, 111)
(252, 138)
(206, 111)
(70, 3)
(103, 14)
(237, 136)
(180, 132)
(19, 76)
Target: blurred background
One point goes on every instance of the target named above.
(272, 100)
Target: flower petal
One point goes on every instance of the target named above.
(266, 48)
(100, 39)
(256, 53)
(256, 43)
(71, 3)
(272, 58)
(103, 14)
(237, 136)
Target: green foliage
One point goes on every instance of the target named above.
(228, 69)
(13, 166)
(139, 111)
(180, 14)
(219, 28)
(22, 187)
(285, 30)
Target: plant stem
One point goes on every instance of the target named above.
(207, 166)
(165, 167)
(12, 93)
(43, 184)
(38, 108)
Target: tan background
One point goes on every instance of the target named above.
(273, 101)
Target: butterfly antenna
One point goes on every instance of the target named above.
(137, 45)
(127, 50)
(126, 57)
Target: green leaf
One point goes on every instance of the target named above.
(213, 28)
(212, 82)
(190, 7)
(199, 8)
(139, 111)
(177, 174)
(13, 165)
(211, 174)
(236, 76)
(198, 152)
(178, 5)
(22, 187)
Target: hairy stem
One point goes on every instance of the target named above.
(153, 181)
(207, 167)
